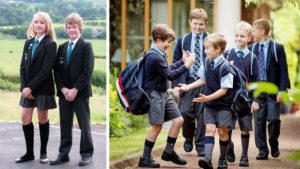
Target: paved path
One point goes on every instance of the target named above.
(12, 145)
(289, 142)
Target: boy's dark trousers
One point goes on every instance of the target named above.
(268, 111)
(81, 108)
(193, 125)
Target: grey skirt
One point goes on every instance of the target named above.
(42, 102)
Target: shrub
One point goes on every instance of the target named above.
(99, 79)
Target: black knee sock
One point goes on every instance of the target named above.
(170, 144)
(223, 149)
(209, 142)
(29, 134)
(148, 148)
(44, 135)
(230, 143)
(245, 143)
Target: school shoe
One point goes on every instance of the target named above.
(244, 162)
(147, 161)
(84, 161)
(275, 152)
(43, 159)
(204, 163)
(262, 156)
(60, 160)
(25, 158)
(188, 144)
(200, 153)
(173, 157)
(222, 164)
(230, 153)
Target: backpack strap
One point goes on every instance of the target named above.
(182, 41)
(222, 65)
(274, 50)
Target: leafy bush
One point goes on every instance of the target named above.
(99, 79)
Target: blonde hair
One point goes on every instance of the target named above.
(49, 28)
(216, 40)
(263, 24)
(162, 32)
(74, 18)
(245, 26)
(198, 13)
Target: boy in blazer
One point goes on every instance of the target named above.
(73, 71)
(272, 66)
(193, 125)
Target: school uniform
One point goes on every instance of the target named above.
(157, 73)
(36, 73)
(246, 62)
(272, 68)
(75, 72)
(38, 59)
(193, 126)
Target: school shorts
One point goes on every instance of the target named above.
(220, 118)
(162, 108)
(245, 122)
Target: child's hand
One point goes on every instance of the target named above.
(26, 92)
(254, 107)
(176, 93)
(72, 94)
(203, 98)
(30, 97)
(185, 55)
(190, 61)
(184, 87)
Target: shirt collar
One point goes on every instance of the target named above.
(40, 38)
(266, 42)
(194, 35)
(245, 51)
(218, 59)
(156, 48)
(74, 41)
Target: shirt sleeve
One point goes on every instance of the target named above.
(227, 81)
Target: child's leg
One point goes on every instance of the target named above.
(223, 134)
(151, 138)
(245, 136)
(173, 133)
(209, 140)
(44, 131)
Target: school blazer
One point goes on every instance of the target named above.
(77, 73)
(276, 65)
(36, 72)
(178, 55)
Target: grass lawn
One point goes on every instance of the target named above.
(133, 143)
(294, 156)
(11, 51)
(11, 111)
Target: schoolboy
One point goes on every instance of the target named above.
(272, 66)
(246, 61)
(190, 111)
(163, 107)
(73, 71)
(217, 113)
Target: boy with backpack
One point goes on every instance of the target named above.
(217, 101)
(193, 125)
(272, 66)
(246, 61)
(163, 107)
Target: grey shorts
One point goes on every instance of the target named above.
(245, 122)
(221, 118)
(163, 108)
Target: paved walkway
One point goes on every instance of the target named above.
(12, 145)
(289, 142)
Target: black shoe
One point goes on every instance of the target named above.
(275, 152)
(173, 156)
(147, 161)
(43, 159)
(244, 162)
(60, 160)
(230, 153)
(201, 153)
(222, 164)
(84, 161)
(206, 164)
(25, 158)
(262, 156)
(188, 144)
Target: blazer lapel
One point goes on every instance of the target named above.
(269, 55)
(203, 47)
(38, 49)
(64, 53)
(187, 42)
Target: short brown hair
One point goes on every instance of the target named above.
(198, 13)
(263, 24)
(162, 32)
(216, 40)
(244, 26)
(74, 18)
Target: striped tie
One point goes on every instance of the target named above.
(197, 63)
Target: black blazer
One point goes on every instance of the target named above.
(77, 73)
(276, 66)
(36, 73)
(178, 55)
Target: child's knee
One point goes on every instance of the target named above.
(245, 132)
(178, 121)
(223, 133)
(157, 127)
